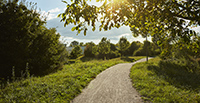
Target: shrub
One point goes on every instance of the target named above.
(132, 48)
(140, 52)
(113, 54)
(24, 39)
(46, 56)
(123, 45)
(104, 48)
(152, 51)
(76, 52)
(89, 50)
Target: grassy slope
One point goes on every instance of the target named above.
(59, 87)
(159, 81)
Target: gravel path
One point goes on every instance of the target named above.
(111, 86)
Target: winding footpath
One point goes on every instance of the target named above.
(111, 86)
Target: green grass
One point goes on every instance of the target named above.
(166, 82)
(59, 87)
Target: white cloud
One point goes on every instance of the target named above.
(124, 35)
(114, 35)
(65, 39)
(54, 10)
(50, 14)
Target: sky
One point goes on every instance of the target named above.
(55, 7)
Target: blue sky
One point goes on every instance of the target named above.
(55, 7)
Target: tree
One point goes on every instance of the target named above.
(123, 45)
(133, 47)
(76, 52)
(147, 46)
(89, 50)
(25, 40)
(104, 47)
(113, 52)
(74, 43)
(112, 47)
(144, 17)
(46, 53)
(81, 43)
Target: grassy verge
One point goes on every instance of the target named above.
(59, 87)
(166, 81)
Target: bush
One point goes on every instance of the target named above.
(132, 48)
(113, 54)
(88, 51)
(140, 52)
(104, 48)
(156, 52)
(123, 45)
(152, 51)
(25, 40)
(47, 56)
(76, 52)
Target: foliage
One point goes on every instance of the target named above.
(76, 52)
(147, 47)
(112, 47)
(81, 44)
(90, 50)
(45, 57)
(113, 54)
(166, 81)
(24, 39)
(74, 43)
(140, 52)
(104, 48)
(184, 53)
(58, 87)
(133, 47)
(170, 19)
(181, 50)
(123, 45)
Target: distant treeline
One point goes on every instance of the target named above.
(107, 50)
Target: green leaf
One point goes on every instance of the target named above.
(132, 26)
(73, 28)
(65, 2)
(93, 29)
(85, 32)
(59, 15)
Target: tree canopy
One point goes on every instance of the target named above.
(104, 47)
(76, 52)
(74, 43)
(123, 45)
(26, 42)
(171, 18)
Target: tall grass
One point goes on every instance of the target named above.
(59, 87)
(166, 81)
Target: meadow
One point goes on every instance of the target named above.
(160, 81)
(61, 86)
